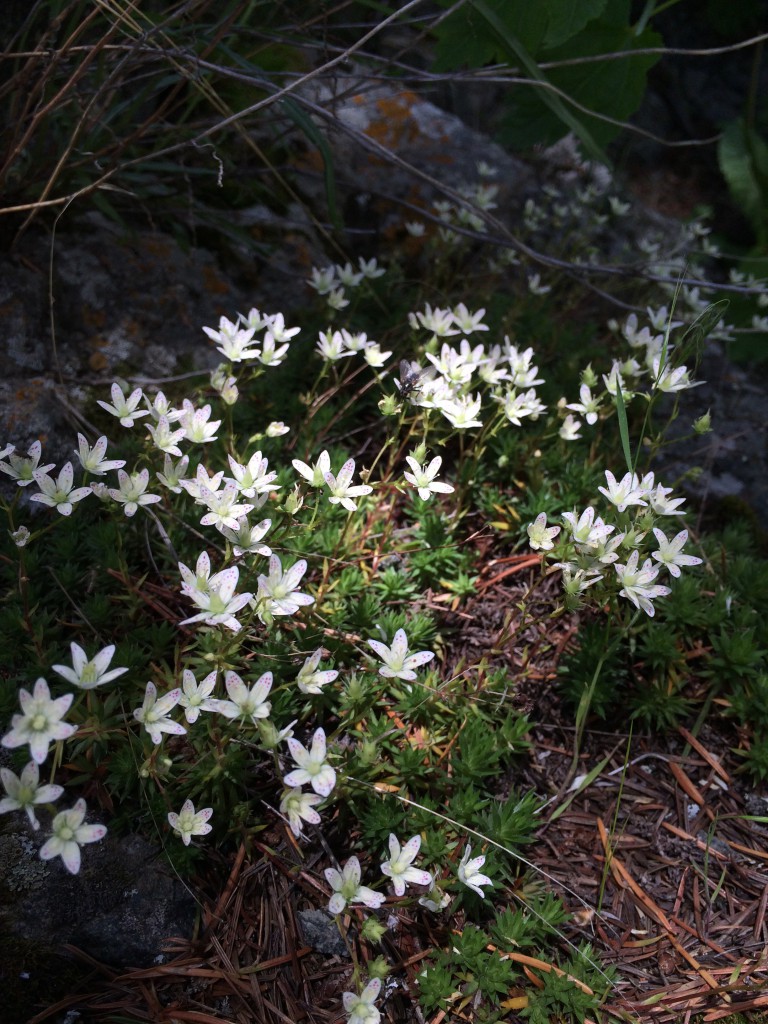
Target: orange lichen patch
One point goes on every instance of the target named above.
(396, 123)
(214, 283)
(98, 362)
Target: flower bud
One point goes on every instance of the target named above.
(703, 425)
(294, 501)
(20, 537)
(389, 406)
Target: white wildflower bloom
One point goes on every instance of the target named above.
(454, 366)
(360, 1008)
(200, 578)
(278, 330)
(59, 493)
(347, 889)
(423, 478)
(69, 834)
(575, 580)
(270, 355)
(299, 807)
(462, 412)
(172, 476)
(439, 321)
(522, 373)
(153, 713)
(189, 822)
(341, 491)
(323, 279)
(637, 583)
(370, 268)
(585, 529)
(569, 428)
(670, 379)
(662, 504)
(25, 791)
(276, 429)
(253, 478)
(469, 872)
(527, 403)
(22, 468)
(196, 697)
(125, 408)
(246, 539)
(535, 287)
(489, 370)
(218, 602)
(400, 868)
(337, 300)
(331, 345)
(309, 679)
(627, 491)
(278, 592)
(164, 438)
(618, 208)
(40, 722)
(433, 394)
(197, 424)
(233, 341)
(484, 196)
(224, 509)
(89, 673)
(415, 228)
(201, 479)
(540, 536)
(435, 900)
(614, 381)
(314, 474)
(313, 768)
(355, 342)
(160, 406)
(670, 552)
(373, 355)
(8, 450)
(587, 405)
(92, 459)
(398, 663)
(348, 276)
(226, 387)
(132, 491)
(249, 705)
(20, 537)
(660, 319)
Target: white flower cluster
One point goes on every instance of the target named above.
(331, 281)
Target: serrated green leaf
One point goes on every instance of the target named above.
(467, 39)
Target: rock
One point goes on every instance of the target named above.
(321, 933)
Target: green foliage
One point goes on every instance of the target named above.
(743, 156)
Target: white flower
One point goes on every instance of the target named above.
(223, 507)
(360, 1008)
(468, 322)
(278, 330)
(348, 276)
(469, 872)
(246, 540)
(540, 536)
(124, 408)
(663, 505)
(670, 552)
(373, 355)
(347, 889)
(24, 792)
(233, 341)
(370, 268)
(462, 411)
(20, 537)
(253, 478)
(415, 228)
(313, 767)
(589, 406)
(160, 406)
(535, 287)
(524, 404)
(69, 834)
(339, 486)
(189, 822)
(153, 713)
(439, 321)
(250, 705)
(587, 532)
(309, 680)
(569, 429)
(298, 806)
(92, 459)
(132, 491)
(164, 438)
(314, 474)
(399, 866)
(435, 900)
(271, 356)
(627, 491)
(21, 468)
(276, 429)
(89, 674)
(671, 378)
(637, 583)
(278, 592)
(196, 697)
(218, 601)
(59, 493)
(39, 723)
(202, 479)
(398, 664)
(323, 279)
(197, 423)
(173, 473)
(331, 346)
(200, 578)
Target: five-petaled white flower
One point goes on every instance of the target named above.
(246, 539)
(314, 474)
(21, 468)
(69, 834)
(173, 473)
(198, 426)
(92, 459)
(124, 408)
(540, 536)
(218, 600)
(347, 889)
(278, 592)
(587, 405)
(189, 822)
(253, 478)
(423, 478)
(223, 507)
(469, 872)
(398, 663)
(24, 792)
(196, 697)
(399, 866)
(360, 1008)
(165, 439)
(309, 680)
(89, 674)
(670, 551)
(339, 486)
(637, 584)
(250, 705)
(298, 806)
(59, 493)
(234, 341)
(313, 767)
(627, 491)
(40, 722)
(132, 491)
(153, 713)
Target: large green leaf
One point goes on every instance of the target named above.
(743, 157)
(567, 17)
(467, 39)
